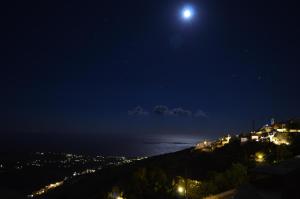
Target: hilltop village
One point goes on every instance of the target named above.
(278, 133)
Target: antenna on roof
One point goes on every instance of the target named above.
(272, 121)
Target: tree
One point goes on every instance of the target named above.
(223, 181)
(149, 183)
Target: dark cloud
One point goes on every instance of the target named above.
(181, 112)
(161, 110)
(200, 113)
(165, 111)
(138, 111)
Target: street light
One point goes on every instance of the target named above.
(180, 189)
(259, 157)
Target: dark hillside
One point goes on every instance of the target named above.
(188, 163)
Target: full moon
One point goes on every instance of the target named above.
(187, 13)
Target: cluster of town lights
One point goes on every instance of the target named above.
(46, 189)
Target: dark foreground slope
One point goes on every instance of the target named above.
(157, 177)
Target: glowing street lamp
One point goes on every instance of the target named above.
(180, 189)
(259, 157)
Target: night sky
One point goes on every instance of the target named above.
(135, 77)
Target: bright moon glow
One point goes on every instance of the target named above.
(187, 13)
